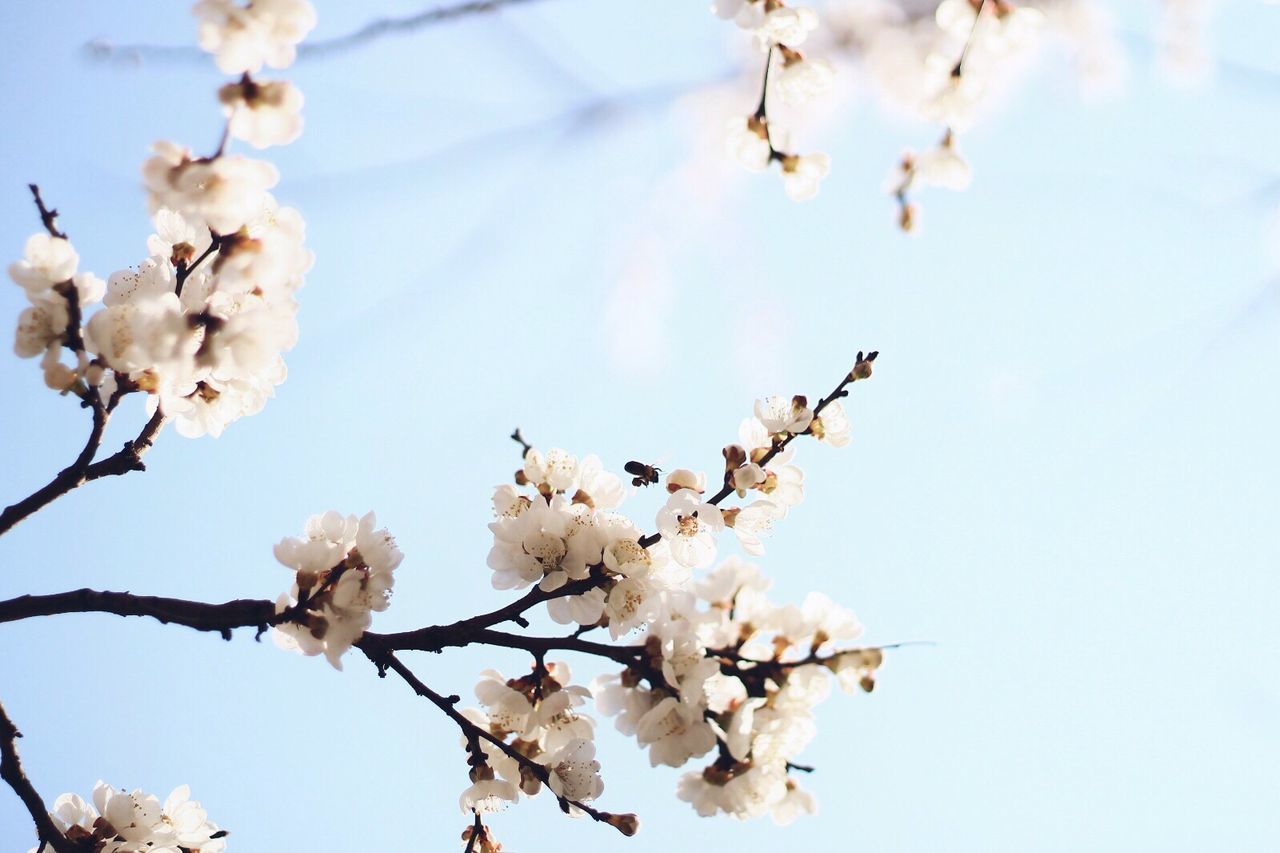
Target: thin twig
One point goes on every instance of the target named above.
(49, 218)
(385, 660)
(779, 446)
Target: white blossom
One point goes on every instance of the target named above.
(690, 526)
(802, 174)
(345, 568)
(573, 772)
(245, 37)
(262, 113)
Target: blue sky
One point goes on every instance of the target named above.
(1064, 471)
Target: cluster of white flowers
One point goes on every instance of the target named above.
(202, 323)
(47, 274)
(761, 717)
(559, 525)
(539, 713)
(344, 570)
(123, 822)
(565, 528)
(793, 77)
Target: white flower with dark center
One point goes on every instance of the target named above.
(573, 772)
(747, 141)
(176, 234)
(344, 569)
(631, 603)
(262, 113)
(784, 415)
(802, 174)
(226, 192)
(674, 731)
(832, 426)
(690, 525)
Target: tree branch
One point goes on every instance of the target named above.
(11, 772)
(67, 479)
(240, 613)
(384, 660)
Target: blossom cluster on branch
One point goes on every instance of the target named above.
(200, 325)
(697, 659)
(119, 821)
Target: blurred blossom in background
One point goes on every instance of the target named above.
(1065, 473)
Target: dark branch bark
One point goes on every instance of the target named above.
(11, 772)
(222, 618)
(48, 218)
(67, 479)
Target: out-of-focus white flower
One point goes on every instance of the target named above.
(243, 38)
(801, 79)
(263, 113)
(943, 166)
(801, 175)
(747, 141)
(226, 191)
(785, 25)
(46, 261)
(832, 426)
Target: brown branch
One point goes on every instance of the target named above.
(67, 479)
(129, 457)
(240, 613)
(11, 772)
(84, 469)
(48, 218)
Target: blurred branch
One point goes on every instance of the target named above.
(104, 51)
